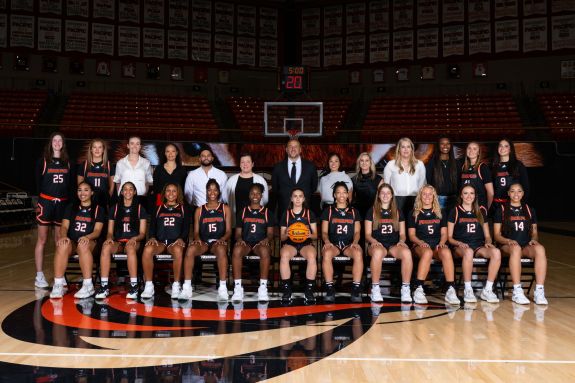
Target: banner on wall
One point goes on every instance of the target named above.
(562, 6)
(50, 6)
(355, 49)
(563, 32)
(333, 20)
(246, 20)
(224, 49)
(129, 11)
(104, 9)
(224, 17)
(453, 11)
(22, 5)
(378, 15)
(505, 8)
(178, 13)
(310, 22)
(403, 45)
(3, 30)
(427, 43)
(22, 31)
(379, 47)
(268, 22)
(402, 14)
(245, 51)
(268, 53)
(76, 36)
(427, 12)
(102, 39)
(355, 19)
(202, 15)
(535, 34)
(332, 51)
(534, 7)
(201, 46)
(154, 12)
(479, 38)
(153, 43)
(478, 10)
(453, 40)
(311, 53)
(129, 41)
(49, 34)
(177, 45)
(506, 36)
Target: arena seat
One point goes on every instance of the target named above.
(18, 118)
(559, 112)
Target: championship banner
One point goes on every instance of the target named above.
(77, 8)
(22, 31)
(403, 45)
(202, 15)
(268, 53)
(478, 10)
(379, 48)
(535, 34)
(427, 43)
(332, 51)
(129, 11)
(76, 36)
(129, 41)
(153, 43)
(102, 39)
(378, 15)
(22, 5)
(402, 14)
(505, 8)
(310, 22)
(534, 7)
(355, 49)
(355, 19)
(268, 22)
(333, 20)
(453, 11)
(311, 53)
(506, 36)
(245, 51)
(224, 17)
(479, 38)
(562, 6)
(427, 12)
(563, 32)
(246, 20)
(224, 49)
(104, 9)
(154, 12)
(453, 40)
(177, 45)
(178, 13)
(201, 46)
(3, 30)
(50, 6)
(49, 34)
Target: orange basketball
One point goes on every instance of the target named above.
(298, 232)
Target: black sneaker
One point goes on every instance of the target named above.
(329, 294)
(356, 293)
(103, 291)
(309, 295)
(286, 293)
(133, 291)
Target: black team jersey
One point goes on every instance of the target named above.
(467, 228)
(127, 220)
(54, 179)
(170, 223)
(82, 220)
(305, 216)
(98, 176)
(341, 224)
(386, 234)
(503, 179)
(212, 223)
(477, 178)
(255, 224)
(516, 222)
(427, 226)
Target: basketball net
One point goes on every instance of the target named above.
(293, 134)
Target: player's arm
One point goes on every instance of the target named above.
(197, 225)
(368, 228)
(401, 233)
(313, 232)
(283, 234)
(325, 233)
(413, 237)
(451, 240)
(142, 234)
(228, 221)
(534, 234)
(110, 233)
(443, 239)
(487, 234)
(356, 232)
(490, 193)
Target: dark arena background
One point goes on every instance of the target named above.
(237, 77)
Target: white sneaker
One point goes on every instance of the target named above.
(57, 291)
(519, 297)
(238, 294)
(148, 291)
(451, 297)
(518, 310)
(419, 296)
(489, 296)
(41, 282)
(222, 293)
(539, 297)
(176, 288)
(263, 294)
(405, 294)
(376, 294)
(186, 293)
(469, 296)
(85, 292)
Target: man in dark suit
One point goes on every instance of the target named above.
(291, 173)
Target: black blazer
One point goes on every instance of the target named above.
(282, 184)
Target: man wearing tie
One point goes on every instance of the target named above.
(291, 173)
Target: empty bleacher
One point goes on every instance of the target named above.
(20, 110)
(559, 112)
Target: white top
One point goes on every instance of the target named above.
(326, 182)
(195, 188)
(404, 184)
(297, 168)
(229, 195)
(140, 175)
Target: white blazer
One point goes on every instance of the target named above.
(229, 194)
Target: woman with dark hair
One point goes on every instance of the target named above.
(327, 182)
(442, 172)
(507, 170)
(170, 171)
(365, 183)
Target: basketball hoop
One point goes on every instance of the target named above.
(293, 133)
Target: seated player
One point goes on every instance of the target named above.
(340, 231)
(81, 228)
(427, 230)
(298, 242)
(385, 235)
(212, 231)
(254, 233)
(169, 230)
(126, 230)
(468, 233)
(515, 229)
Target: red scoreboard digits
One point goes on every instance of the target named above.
(293, 79)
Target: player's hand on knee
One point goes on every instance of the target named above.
(152, 242)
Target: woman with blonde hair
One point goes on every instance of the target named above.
(476, 173)
(365, 183)
(98, 172)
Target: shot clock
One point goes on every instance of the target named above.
(293, 79)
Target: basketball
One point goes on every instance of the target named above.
(298, 232)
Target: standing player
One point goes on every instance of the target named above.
(81, 227)
(340, 231)
(169, 230)
(212, 231)
(507, 169)
(385, 234)
(515, 229)
(54, 188)
(97, 171)
(254, 233)
(298, 213)
(468, 233)
(477, 174)
(427, 230)
(126, 230)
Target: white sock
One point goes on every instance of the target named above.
(237, 282)
(59, 281)
(87, 282)
(104, 281)
(39, 274)
(488, 285)
(149, 283)
(538, 287)
(223, 283)
(263, 282)
(132, 280)
(187, 283)
(517, 287)
(467, 285)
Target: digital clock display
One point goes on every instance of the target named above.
(293, 79)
